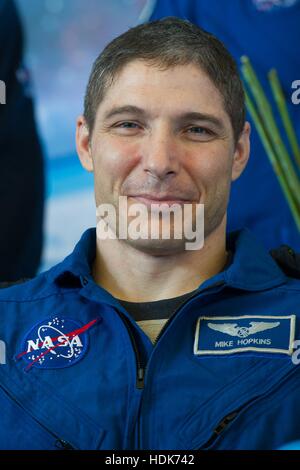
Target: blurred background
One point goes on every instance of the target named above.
(45, 93)
(62, 39)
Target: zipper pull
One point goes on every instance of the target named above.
(63, 445)
(140, 378)
(223, 424)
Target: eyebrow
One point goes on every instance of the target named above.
(127, 109)
(188, 116)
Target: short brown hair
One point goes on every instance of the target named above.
(167, 43)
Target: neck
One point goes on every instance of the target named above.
(141, 277)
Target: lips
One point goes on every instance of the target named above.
(168, 199)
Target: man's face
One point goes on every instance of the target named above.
(163, 134)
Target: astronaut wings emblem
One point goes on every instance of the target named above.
(233, 329)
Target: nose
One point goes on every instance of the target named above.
(160, 155)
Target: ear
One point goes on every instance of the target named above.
(83, 144)
(241, 153)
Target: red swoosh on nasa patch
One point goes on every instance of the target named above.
(69, 335)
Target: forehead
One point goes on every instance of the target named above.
(164, 90)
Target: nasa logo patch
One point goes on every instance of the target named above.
(55, 343)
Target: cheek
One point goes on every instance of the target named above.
(117, 155)
(113, 161)
(213, 168)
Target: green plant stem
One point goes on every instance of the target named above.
(284, 113)
(295, 209)
(271, 128)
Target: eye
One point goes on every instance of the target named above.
(200, 130)
(126, 128)
(127, 125)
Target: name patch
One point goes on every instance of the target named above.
(261, 333)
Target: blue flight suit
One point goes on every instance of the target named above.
(270, 39)
(81, 374)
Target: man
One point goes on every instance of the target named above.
(139, 342)
(266, 31)
(21, 159)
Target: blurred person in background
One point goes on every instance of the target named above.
(21, 160)
(268, 32)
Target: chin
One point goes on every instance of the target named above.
(158, 247)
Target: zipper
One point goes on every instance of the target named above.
(142, 368)
(63, 445)
(59, 442)
(221, 427)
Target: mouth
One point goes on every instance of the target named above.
(148, 199)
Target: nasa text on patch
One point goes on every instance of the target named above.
(55, 343)
(229, 335)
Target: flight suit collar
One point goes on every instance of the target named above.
(78, 265)
(252, 268)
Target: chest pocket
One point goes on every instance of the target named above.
(226, 412)
(19, 431)
(33, 418)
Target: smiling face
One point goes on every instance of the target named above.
(163, 134)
